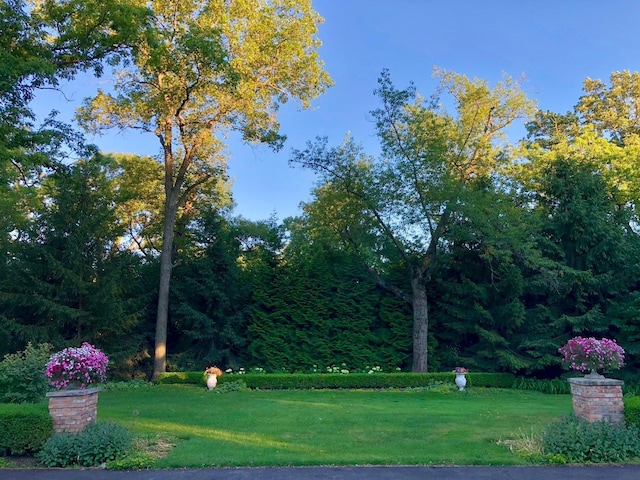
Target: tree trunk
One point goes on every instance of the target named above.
(166, 265)
(420, 323)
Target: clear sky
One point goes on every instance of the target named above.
(554, 44)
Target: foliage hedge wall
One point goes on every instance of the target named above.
(328, 311)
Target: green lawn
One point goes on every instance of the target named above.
(325, 427)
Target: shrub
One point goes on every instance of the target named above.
(21, 378)
(24, 429)
(59, 451)
(133, 461)
(575, 440)
(236, 386)
(554, 386)
(632, 410)
(102, 442)
(99, 443)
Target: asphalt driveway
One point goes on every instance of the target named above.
(623, 472)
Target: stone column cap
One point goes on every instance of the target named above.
(593, 381)
(73, 393)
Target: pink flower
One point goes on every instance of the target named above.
(80, 366)
(586, 354)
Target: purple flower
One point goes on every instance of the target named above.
(79, 366)
(586, 354)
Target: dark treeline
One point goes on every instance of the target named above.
(453, 247)
(282, 297)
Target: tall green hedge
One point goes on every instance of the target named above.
(330, 308)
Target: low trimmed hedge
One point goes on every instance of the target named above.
(632, 410)
(283, 381)
(184, 378)
(24, 428)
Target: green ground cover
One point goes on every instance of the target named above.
(332, 427)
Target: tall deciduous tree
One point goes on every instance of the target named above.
(397, 209)
(614, 109)
(199, 69)
(582, 168)
(42, 42)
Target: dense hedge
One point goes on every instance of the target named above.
(337, 380)
(24, 428)
(632, 410)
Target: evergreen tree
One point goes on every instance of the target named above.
(64, 282)
(320, 307)
(209, 297)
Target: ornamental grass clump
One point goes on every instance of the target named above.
(77, 367)
(589, 354)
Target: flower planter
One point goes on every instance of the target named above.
(461, 380)
(73, 410)
(597, 398)
(212, 374)
(212, 381)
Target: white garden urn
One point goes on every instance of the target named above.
(212, 381)
(461, 380)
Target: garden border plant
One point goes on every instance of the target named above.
(99, 443)
(574, 440)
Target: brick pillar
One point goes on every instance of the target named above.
(73, 410)
(597, 398)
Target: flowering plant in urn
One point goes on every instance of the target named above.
(77, 367)
(589, 354)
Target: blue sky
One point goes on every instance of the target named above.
(554, 44)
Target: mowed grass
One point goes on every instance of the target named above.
(325, 427)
